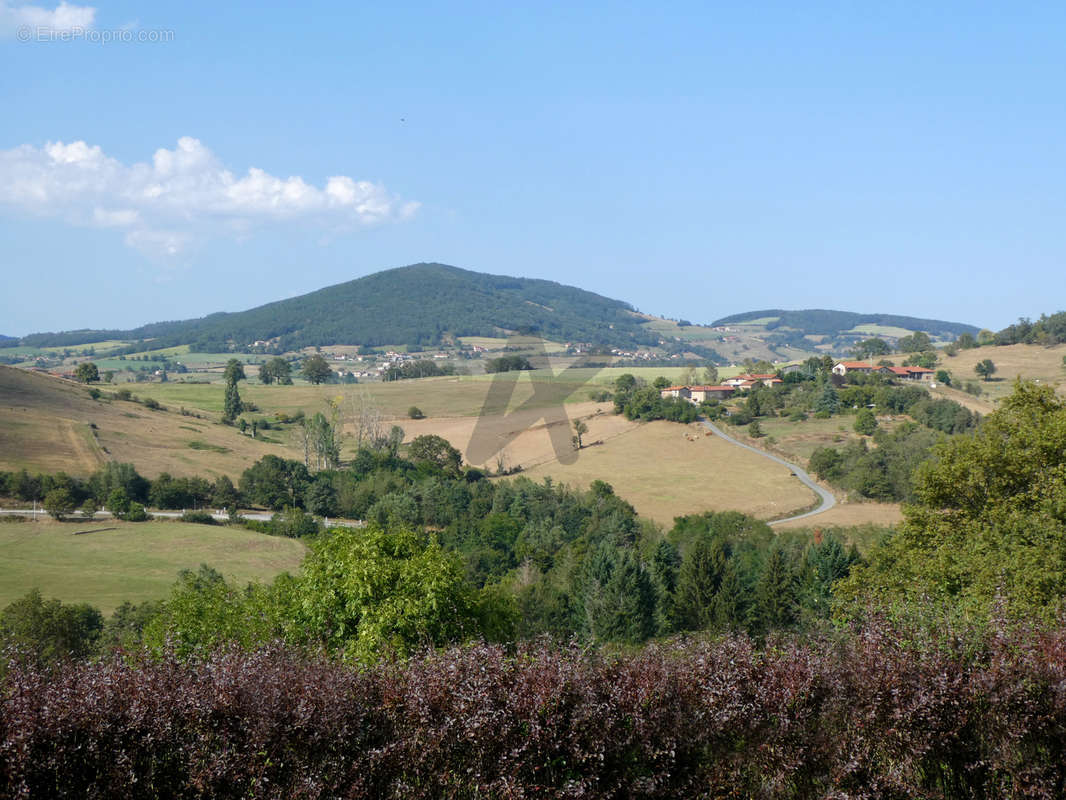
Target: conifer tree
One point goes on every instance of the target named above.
(700, 578)
(775, 598)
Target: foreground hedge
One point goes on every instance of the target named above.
(880, 713)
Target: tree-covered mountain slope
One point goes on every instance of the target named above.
(418, 304)
(825, 322)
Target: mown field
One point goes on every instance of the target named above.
(135, 562)
(48, 424)
(1029, 361)
(666, 470)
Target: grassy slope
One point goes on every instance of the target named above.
(665, 470)
(45, 424)
(135, 562)
(1024, 360)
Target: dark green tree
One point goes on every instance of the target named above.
(316, 369)
(49, 629)
(224, 493)
(986, 369)
(865, 422)
(698, 582)
(232, 405)
(87, 372)
(59, 503)
(234, 371)
(828, 401)
(276, 369)
(774, 604)
(435, 450)
(620, 602)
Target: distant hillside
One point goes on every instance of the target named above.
(48, 424)
(418, 305)
(824, 322)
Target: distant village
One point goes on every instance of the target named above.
(698, 394)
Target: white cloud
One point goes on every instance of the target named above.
(64, 17)
(184, 193)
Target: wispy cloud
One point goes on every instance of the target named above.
(64, 17)
(183, 194)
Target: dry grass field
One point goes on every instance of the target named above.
(665, 470)
(1017, 360)
(522, 439)
(850, 514)
(135, 562)
(50, 424)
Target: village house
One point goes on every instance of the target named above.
(747, 381)
(844, 367)
(900, 373)
(698, 394)
(909, 373)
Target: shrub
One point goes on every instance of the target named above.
(883, 711)
(136, 513)
(414, 412)
(199, 517)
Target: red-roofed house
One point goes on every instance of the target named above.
(844, 367)
(747, 381)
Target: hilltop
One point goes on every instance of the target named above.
(433, 305)
(835, 331)
(421, 304)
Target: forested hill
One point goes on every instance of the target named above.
(417, 304)
(824, 322)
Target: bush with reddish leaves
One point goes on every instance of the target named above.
(881, 712)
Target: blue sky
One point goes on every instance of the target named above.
(696, 161)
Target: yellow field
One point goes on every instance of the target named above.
(46, 424)
(849, 514)
(1029, 361)
(873, 329)
(665, 470)
(522, 439)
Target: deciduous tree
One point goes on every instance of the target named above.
(87, 372)
(316, 369)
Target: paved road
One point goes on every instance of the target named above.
(221, 517)
(828, 501)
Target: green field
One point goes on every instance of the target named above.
(135, 562)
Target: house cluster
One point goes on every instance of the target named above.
(903, 373)
(698, 394)
(643, 355)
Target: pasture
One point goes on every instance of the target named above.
(49, 424)
(845, 515)
(135, 562)
(665, 470)
(1030, 361)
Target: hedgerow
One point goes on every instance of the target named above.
(880, 712)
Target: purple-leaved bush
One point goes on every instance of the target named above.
(880, 712)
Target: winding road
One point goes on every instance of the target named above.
(828, 501)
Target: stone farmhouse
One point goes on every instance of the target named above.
(697, 394)
(842, 368)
